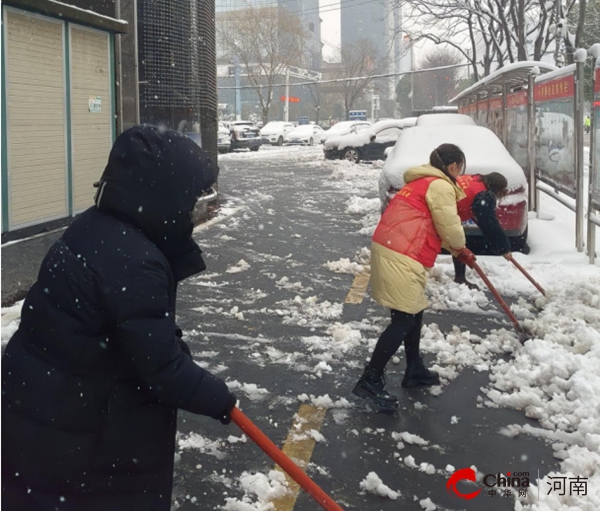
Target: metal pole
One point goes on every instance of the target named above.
(238, 92)
(579, 163)
(286, 108)
(505, 92)
(412, 92)
(533, 195)
(591, 227)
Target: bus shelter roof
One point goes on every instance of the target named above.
(514, 75)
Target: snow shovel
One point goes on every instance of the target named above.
(531, 279)
(293, 470)
(523, 335)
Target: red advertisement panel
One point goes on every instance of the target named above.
(559, 88)
(517, 99)
(496, 104)
(597, 82)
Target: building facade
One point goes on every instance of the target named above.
(59, 108)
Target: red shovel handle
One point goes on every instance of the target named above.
(502, 303)
(263, 441)
(524, 272)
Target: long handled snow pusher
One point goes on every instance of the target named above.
(263, 441)
(523, 335)
(531, 279)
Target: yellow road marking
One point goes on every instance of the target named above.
(358, 288)
(299, 447)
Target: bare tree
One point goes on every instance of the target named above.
(359, 62)
(266, 41)
(315, 94)
(436, 86)
(490, 33)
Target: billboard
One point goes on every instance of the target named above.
(595, 188)
(555, 141)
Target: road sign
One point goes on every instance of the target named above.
(357, 115)
(303, 119)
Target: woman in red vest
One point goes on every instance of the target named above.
(419, 220)
(479, 205)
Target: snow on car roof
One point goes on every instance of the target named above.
(483, 149)
(394, 123)
(444, 120)
(345, 125)
(304, 128)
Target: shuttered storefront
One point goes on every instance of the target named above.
(36, 116)
(59, 120)
(90, 111)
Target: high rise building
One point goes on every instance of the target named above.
(380, 22)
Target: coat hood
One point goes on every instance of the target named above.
(430, 171)
(152, 180)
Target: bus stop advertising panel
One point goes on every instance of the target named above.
(518, 128)
(555, 141)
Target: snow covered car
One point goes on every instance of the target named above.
(223, 139)
(369, 144)
(275, 131)
(445, 120)
(343, 127)
(245, 135)
(484, 153)
(306, 134)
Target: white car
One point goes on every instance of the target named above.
(445, 120)
(344, 127)
(306, 134)
(484, 154)
(274, 132)
(223, 139)
(368, 144)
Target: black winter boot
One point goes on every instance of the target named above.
(372, 385)
(417, 374)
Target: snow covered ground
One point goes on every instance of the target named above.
(554, 378)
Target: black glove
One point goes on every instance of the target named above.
(213, 398)
(226, 414)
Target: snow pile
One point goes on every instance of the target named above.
(344, 266)
(409, 438)
(198, 442)
(11, 317)
(555, 378)
(373, 484)
(427, 505)
(284, 283)
(239, 267)
(259, 490)
(309, 312)
(343, 339)
(445, 294)
(325, 401)
(368, 209)
(349, 140)
(253, 391)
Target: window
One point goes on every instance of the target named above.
(311, 26)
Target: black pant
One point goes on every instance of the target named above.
(404, 327)
(460, 269)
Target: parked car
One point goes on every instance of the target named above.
(369, 144)
(449, 119)
(306, 134)
(245, 135)
(484, 153)
(274, 132)
(343, 127)
(223, 139)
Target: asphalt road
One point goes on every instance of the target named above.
(287, 219)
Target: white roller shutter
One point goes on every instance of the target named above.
(37, 162)
(91, 115)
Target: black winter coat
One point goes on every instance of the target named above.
(484, 213)
(92, 379)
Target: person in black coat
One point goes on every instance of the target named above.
(479, 205)
(93, 377)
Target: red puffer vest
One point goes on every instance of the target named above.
(471, 185)
(406, 225)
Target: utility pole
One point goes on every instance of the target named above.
(238, 92)
(286, 109)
